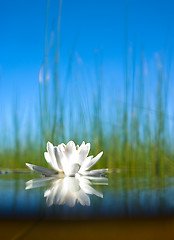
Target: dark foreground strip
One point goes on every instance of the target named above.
(137, 229)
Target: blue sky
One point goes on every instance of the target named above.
(87, 27)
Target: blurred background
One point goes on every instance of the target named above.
(98, 71)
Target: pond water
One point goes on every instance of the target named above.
(118, 195)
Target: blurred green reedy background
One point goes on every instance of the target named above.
(132, 133)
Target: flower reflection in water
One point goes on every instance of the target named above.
(69, 190)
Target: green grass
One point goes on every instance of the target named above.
(133, 137)
(131, 132)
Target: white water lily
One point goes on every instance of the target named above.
(70, 160)
(69, 190)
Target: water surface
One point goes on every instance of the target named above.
(120, 195)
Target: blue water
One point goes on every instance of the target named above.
(117, 196)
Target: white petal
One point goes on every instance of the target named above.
(85, 163)
(48, 159)
(82, 144)
(47, 193)
(62, 154)
(71, 170)
(72, 183)
(70, 147)
(90, 190)
(42, 170)
(96, 173)
(36, 183)
(63, 159)
(83, 198)
(65, 194)
(50, 150)
(58, 158)
(70, 199)
(62, 145)
(83, 179)
(97, 180)
(70, 150)
(51, 193)
(83, 153)
(89, 162)
(59, 193)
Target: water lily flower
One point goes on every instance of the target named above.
(68, 190)
(70, 160)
